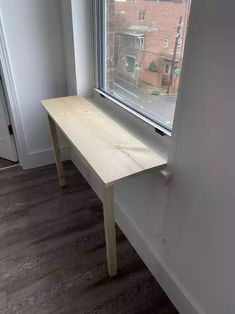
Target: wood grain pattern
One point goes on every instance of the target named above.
(111, 150)
(52, 251)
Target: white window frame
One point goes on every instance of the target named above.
(166, 43)
(142, 15)
(139, 43)
(179, 45)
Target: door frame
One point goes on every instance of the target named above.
(12, 101)
(7, 143)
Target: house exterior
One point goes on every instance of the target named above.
(145, 39)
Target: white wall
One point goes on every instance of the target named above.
(33, 36)
(200, 229)
(186, 235)
(83, 45)
(196, 248)
(70, 66)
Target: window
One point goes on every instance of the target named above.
(130, 64)
(166, 43)
(141, 15)
(167, 68)
(179, 45)
(139, 43)
(134, 68)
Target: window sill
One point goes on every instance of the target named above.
(158, 128)
(144, 131)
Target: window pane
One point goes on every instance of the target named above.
(144, 45)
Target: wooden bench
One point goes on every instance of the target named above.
(110, 151)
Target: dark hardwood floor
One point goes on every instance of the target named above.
(52, 251)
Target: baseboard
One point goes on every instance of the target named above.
(170, 284)
(46, 157)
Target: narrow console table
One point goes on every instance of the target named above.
(109, 150)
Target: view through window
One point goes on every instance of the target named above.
(143, 51)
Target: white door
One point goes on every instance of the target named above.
(7, 143)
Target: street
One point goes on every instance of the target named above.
(159, 108)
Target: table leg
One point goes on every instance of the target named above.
(58, 160)
(110, 234)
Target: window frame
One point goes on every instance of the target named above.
(98, 7)
(141, 15)
(180, 42)
(166, 43)
(168, 67)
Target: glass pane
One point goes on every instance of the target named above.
(144, 45)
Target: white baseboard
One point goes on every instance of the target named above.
(42, 158)
(164, 276)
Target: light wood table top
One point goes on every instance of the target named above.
(111, 151)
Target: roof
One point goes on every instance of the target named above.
(131, 34)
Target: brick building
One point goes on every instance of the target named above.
(145, 38)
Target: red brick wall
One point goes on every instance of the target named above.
(151, 78)
(165, 15)
(110, 16)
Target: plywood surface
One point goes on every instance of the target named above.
(112, 151)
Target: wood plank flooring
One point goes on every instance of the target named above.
(52, 251)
